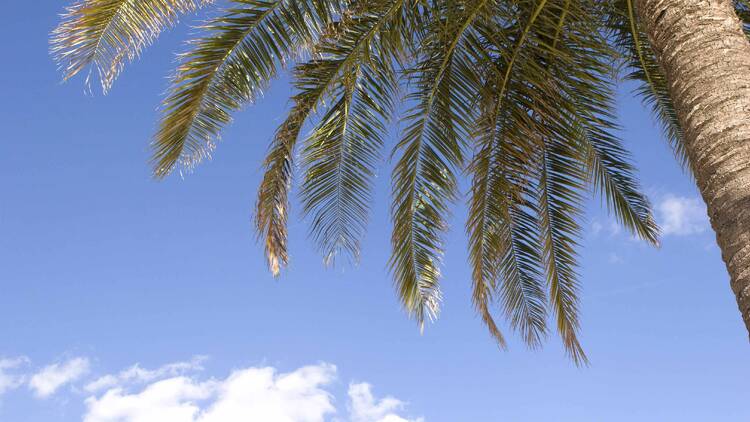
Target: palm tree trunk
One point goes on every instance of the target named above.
(705, 55)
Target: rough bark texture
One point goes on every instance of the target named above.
(706, 58)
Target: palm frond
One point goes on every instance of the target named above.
(502, 226)
(486, 213)
(542, 83)
(582, 150)
(609, 167)
(561, 180)
(341, 155)
(562, 176)
(106, 33)
(229, 66)
(315, 80)
(523, 296)
(431, 151)
(632, 43)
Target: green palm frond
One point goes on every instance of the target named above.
(613, 175)
(633, 45)
(107, 33)
(316, 81)
(562, 176)
(523, 295)
(486, 213)
(549, 86)
(581, 150)
(341, 156)
(503, 231)
(336, 186)
(423, 181)
(608, 162)
(239, 54)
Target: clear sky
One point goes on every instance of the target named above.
(103, 268)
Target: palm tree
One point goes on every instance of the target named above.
(517, 93)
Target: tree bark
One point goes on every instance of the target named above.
(705, 56)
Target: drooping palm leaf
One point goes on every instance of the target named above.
(632, 43)
(562, 176)
(424, 182)
(106, 33)
(315, 80)
(227, 67)
(522, 81)
(584, 104)
(341, 156)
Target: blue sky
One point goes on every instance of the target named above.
(103, 268)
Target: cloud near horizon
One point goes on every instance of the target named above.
(175, 393)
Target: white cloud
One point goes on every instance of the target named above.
(249, 394)
(9, 380)
(682, 216)
(137, 374)
(259, 394)
(176, 393)
(172, 400)
(50, 378)
(365, 408)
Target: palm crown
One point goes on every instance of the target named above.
(516, 93)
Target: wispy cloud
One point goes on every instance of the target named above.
(609, 227)
(45, 382)
(137, 374)
(681, 216)
(9, 378)
(614, 258)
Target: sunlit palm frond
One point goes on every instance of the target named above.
(341, 156)
(611, 171)
(522, 289)
(560, 182)
(633, 45)
(431, 152)
(225, 68)
(106, 33)
(486, 212)
(502, 225)
(570, 28)
(561, 176)
(316, 81)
